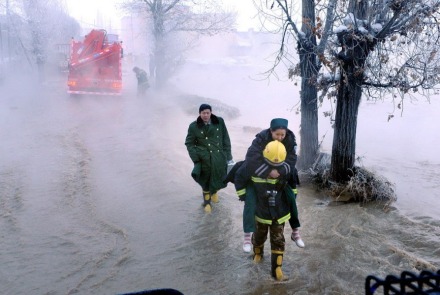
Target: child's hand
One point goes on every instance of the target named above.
(274, 174)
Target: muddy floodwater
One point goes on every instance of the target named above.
(96, 195)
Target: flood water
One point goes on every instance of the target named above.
(96, 195)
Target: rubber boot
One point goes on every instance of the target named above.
(207, 202)
(258, 254)
(214, 198)
(277, 263)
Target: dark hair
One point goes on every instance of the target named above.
(204, 106)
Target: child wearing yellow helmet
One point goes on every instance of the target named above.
(257, 164)
(275, 153)
(273, 204)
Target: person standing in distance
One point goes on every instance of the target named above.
(209, 147)
(142, 81)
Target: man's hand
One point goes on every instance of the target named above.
(274, 174)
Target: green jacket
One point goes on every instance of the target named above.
(209, 148)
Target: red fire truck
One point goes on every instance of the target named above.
(95, 65)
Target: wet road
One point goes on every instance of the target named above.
(96, 198)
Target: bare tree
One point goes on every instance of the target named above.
(168, 18)
(385, 47)
(281, 14)
(37, 25)
(375, 48)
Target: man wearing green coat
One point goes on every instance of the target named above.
(209, 148)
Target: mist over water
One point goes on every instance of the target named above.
(96, 195)
(402, 149)
(405, 151)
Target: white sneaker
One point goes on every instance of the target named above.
(297, 239)
(247, 247)
(247, 244)
(299, 242)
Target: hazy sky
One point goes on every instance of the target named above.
(85, 11)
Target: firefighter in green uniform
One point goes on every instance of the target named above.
(273, 206)
(209, 148)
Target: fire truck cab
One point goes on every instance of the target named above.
(95, 65)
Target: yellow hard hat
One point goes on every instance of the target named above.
(275, 152)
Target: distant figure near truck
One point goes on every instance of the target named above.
(142, 81)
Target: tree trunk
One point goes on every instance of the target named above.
(160, 64)
(159, 41)
(344, 138)
(355, 50)
(309, 146)
(353, 56)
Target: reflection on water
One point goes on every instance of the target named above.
(96, 198)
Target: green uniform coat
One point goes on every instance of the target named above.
(209, 147)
